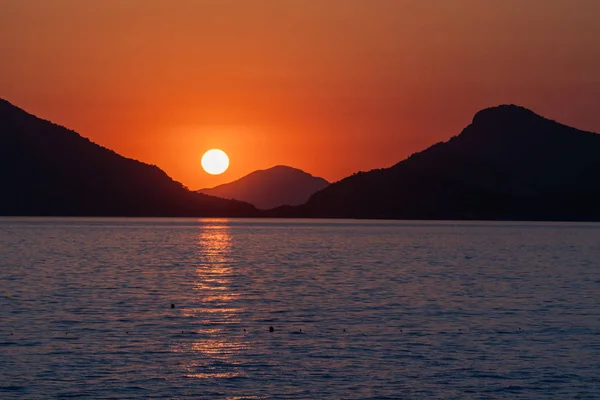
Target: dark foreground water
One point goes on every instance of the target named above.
(360, 309)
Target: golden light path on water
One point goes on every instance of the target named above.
(214, 348)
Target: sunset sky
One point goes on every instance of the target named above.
(328, 86)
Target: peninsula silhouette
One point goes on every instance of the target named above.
(508, 164)
(48, 170)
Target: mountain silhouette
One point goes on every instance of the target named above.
(508, 164)
(270, 188)
(48, 170)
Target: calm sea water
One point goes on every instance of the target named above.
(360, 309)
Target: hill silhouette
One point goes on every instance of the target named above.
(270, 188)
(48, 170)
(508, 164)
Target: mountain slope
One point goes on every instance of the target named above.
(510, 163)
(269, 188)
(46, 169)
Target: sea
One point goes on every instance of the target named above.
(298, 309)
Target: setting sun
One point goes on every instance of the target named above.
(215, 161)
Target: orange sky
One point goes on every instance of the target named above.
(328, 86)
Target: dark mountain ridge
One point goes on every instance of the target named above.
(272, 187)
(508, 164)
(48, 170)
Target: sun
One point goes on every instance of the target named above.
(215, 162)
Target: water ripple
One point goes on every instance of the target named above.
(359, 309)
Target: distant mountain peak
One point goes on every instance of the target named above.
(272, 187)
(285, 169)
(280, 167)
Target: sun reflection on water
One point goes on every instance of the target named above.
(214, 272)
(214, 348)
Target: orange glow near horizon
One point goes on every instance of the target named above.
(330, 87)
